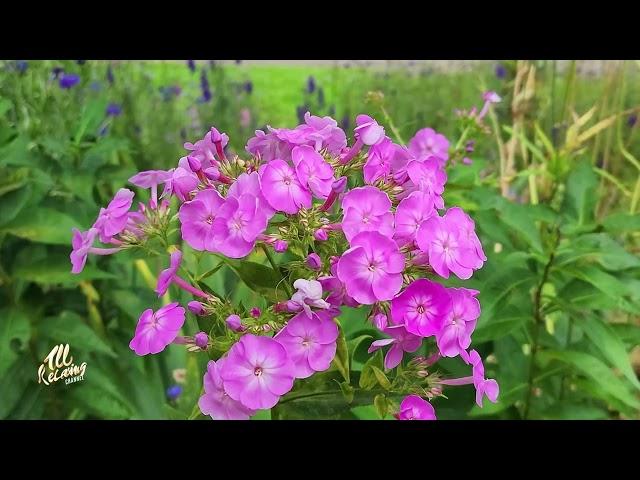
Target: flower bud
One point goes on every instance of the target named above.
(280, 246)
(196, 308)
(256, 312)
(467, 161)
(194, 164)
(201, 339)
(379, 321)
(234, 323)
(339, 185)
(211, 173)
(321, 235)
(314, 262)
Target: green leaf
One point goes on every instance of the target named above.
(597, 371)
(14, 382)
(347, 391)
(259, 278)
(14, 330)
(13, 202)
(68, 327)
(368, 378)
(605, 339)
(56, 270)
(581, 196)
(519, 219)
(621, 223)
(43, 225)
(341, 360)
(382, 407)
(574, 411)
(597, 247)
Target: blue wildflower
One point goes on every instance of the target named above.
(113, 110)
(173, 392)
(69, 80)
(311, 84)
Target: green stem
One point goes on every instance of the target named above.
(538, 320)
(395, 131)
(368, 393)
(275, 267)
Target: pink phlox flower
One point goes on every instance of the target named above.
(337, 291)
(422, 307)
(488, 387)
(182, 182)
(449, 244)
(196, 218)
(257, 371)
(460, 322)
(427, 142)
(166, 276)
(309, 294)
(249, 183)
(313, 172)
(372, 268)
(81, 243)
(310, 343)
(415, 408)
(205, 149)
(113, 219)
(401, 341)
(150, 178)
(367, 130)
(366, 209)
(216, 402)
(282, 188)
(411, 212)
(427, 176)
(157, 330)
(238, 224)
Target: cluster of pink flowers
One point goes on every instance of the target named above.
(379, 246)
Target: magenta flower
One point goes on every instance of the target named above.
(455, 335)
(367, 130)
(468, 231)
(166, 276)
(366, 209)
(323, 132)
(196, 218)
(280, 246)
(427, 176)
(82, 243)
(310, 343)
(197, 308)
(215, 402)
(257, 371)
(157, 330)
(201, 340)
(151, 179)
(427, 142)
(422, 307)
(314, 262)
(206, 149)
(283, 189)
(308, 294)
(450, 247)
(415, 408)
(488, 387)
(268, 146)
(313, 172)
(411, 212)
(489, 98)
(383, 159)
(234, 322)
(372, 268)
(113, 219)
(238, 224)
(182, 182)
(401, 341)
(249, 183)
(337, 291)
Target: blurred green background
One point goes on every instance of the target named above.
(554, 189)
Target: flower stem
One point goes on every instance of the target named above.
(274, 265)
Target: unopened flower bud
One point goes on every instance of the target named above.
(379, 321)
(196, 308)
(321, 235)
(211, 173)
(469, 146)
(201, 339)
(194, 164)
(255, 312)
(314, 262)
(280, 246)
(234, 323)
(467, 161)
(339, 185)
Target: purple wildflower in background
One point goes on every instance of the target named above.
(345, 123)
(21, 66)
(204, 86)
(57, 71)
(248, 87)
(311, 84)
(173, 392)
(113, 110)
(238, 62)
(300, 112)
(320, 97)
(95, 86)
(500, 71)
(192, 65)
(632, 119)
(110, 77)
(68, 81)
